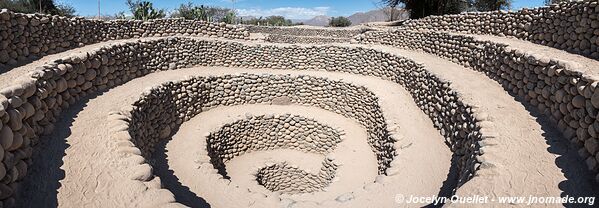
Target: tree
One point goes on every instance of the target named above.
(16, 6)
(205, 13)
(200, 13)
(143, 10)
(392, 4)
(492, 5)
(132, 4)
(229, 18)
(65, 10)
(189, 11)
(394, 14)
(219, 14)
(339, 22)
(424, 8)
(270, 21)
(38, 6)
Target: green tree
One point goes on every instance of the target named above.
(492, 5)
(144, 10)
(189, 11)
(339, 22)
(205, 13)
(229, 18)
(16, 6)
(270, 21)
(200, 13)
(65, 10)
(423, 8)
(38, 6)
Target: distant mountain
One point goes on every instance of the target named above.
(379, 15)
(321, 20)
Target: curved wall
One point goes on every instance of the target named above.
(31, 105)
(304, 39)
(562, 90)
(306, 31)
(285, 178)
(163, 107)
(570, 26)
(24, 36)
(260, 133)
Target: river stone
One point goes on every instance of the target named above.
(6, 136)
(578, 101)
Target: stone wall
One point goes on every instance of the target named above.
(570, 26)
(28, 36)
(562, 90)
(455, 119)
(289, 179)
(306, 31)
(304, 39)
(268, 132)
(161, 108)
(30, 105)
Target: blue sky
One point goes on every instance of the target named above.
(291, 9)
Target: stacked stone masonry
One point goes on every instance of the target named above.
(289, 179)
(559, 89)
(310, 35)
(304, 39)
(167, 106)
(31, 105)
(562, 90)
(309, 32)
(163, 109)
(269, 132)
(571, 26)
(28, 36)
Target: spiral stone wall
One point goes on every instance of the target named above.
(30, 105)
(570, 26)
(163, 109)
(24, 36)
(455, 119)
(564, 91)
(286, 178)
(270, 132)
